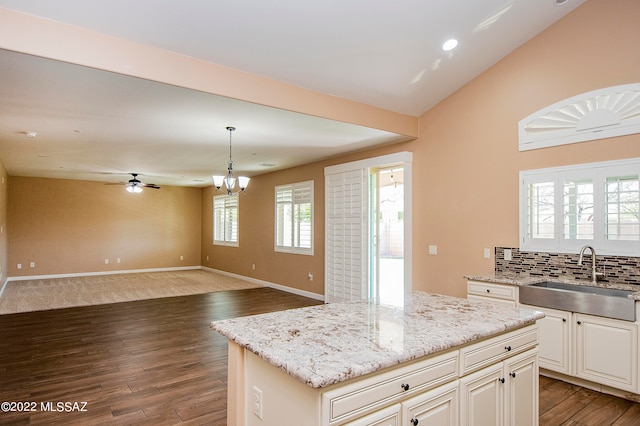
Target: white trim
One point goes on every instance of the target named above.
(4, 285)
(381, 161)
(292, 290)
(89, 274)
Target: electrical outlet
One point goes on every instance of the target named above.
(257, 402)
(507, 254)
(32, 264)
(118, 260)
(181, 257)
(253, 266)
(106, 261)
(487, 253)
(19, 266)
(433, 249)
(310, 276)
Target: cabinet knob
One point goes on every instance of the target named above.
(488, 291)
(513, 375)
(501, 380)
(507, 348)
(405, 386)
(564, 320)
(414, 421)
(579, 322)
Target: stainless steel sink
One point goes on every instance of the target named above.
(600, 301)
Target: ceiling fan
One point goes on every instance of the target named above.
(135, 185)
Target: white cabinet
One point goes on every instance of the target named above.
(555, 336)
(502, 394)
(601, 350)
(438, 407)
(389, 416)
(607, 351)
(427, 391)
(489, 292)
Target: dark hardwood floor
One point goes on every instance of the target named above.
(153, 362)
(157, 362)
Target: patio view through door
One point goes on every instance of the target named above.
(386, 234)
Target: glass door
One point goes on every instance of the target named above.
(386, 234)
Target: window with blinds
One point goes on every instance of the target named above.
(294, 218)
(562, 209)
(225, 220)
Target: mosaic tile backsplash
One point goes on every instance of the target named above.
(617, 269)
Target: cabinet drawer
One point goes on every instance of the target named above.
(490, 351)
(497, 291)
(366, 395)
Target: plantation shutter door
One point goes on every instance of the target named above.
(345, 236)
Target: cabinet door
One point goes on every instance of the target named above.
(607, 351)
(438, 407)
(554, 336)
(389, 416)
(521, 393)
(482, 397)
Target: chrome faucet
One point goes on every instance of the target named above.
(594, 274)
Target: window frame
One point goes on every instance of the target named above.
(227, 212)
(294, 224)
(598, 173)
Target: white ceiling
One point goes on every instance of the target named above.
(99, 125)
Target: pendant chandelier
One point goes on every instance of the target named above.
(229, 180)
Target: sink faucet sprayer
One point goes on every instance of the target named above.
(594, 274)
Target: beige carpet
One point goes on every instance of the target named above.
(55, 293)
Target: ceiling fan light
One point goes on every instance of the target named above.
(134, 189)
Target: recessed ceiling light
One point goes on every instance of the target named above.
(31, 134)
(560, 2)
(450, 44)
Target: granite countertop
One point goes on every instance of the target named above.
(327, 344)
(523, 280)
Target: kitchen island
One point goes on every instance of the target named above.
(436, 357)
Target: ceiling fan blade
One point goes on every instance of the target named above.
(151, 185)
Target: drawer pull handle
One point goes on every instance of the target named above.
(501, 380)
(513, 375)
(488, 291)
(507, 348)
(414, 422)
(405, 386)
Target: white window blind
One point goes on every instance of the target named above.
(225, 220)
(564, 208)
(294, 218)
(345, 236)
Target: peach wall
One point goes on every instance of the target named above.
(67, 226)
(466, 160)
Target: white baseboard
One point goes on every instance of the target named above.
(304, 293)
(88, 274)
(4, 285)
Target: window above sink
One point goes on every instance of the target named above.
(564, 208)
